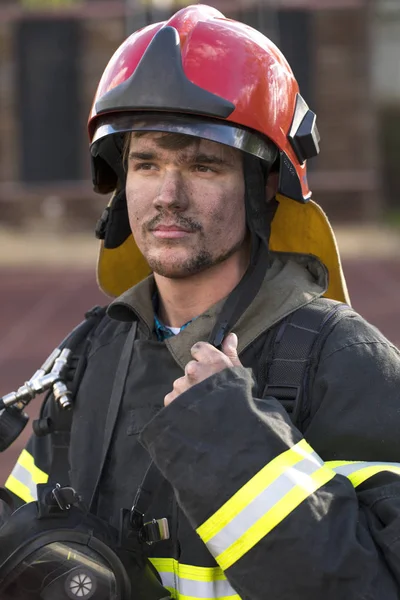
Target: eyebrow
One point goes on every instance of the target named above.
(142, 156)
(209, 159)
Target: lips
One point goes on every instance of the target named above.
(170, 228)
(170, 231)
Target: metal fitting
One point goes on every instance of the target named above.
(47, 377)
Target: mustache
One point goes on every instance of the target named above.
(184, 222)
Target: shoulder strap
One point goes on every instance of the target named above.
(113, 407)
(61, 420)
(291, 347)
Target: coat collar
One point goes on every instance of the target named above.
(292, 281)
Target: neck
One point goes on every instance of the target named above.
(184, 299)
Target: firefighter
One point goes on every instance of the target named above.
(229, 364)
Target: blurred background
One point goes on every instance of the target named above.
(346, 57)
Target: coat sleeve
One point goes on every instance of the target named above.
(32, 467)
(279, 521)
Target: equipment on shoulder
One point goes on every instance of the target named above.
(51, 377)
(48, 377)
(53, 549)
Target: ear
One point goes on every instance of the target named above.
(271, 187)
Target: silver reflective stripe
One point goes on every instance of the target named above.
(361, 471)
(24, 476)
(348, 469)
(293, 476)
(198, 589)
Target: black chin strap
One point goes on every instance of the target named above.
(241, 297)
(259, 215)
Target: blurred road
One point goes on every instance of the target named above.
(40, 306)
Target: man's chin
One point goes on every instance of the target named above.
(180, 269)
(174, 272)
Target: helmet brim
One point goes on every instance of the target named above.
(213, 130)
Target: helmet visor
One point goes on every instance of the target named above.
(61, 571)
(208, 129)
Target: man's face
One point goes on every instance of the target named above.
(186, 207)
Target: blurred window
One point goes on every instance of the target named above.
(48, 106)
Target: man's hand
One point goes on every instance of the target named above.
(207, 361)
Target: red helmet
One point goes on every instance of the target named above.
(204, 75)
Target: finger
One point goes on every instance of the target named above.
(229, 348)
(201, 371)
(169, 398)
(191, 369)
(206, 353)
(180, 385)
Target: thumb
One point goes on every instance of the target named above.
(229, 348)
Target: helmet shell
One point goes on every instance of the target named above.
(231, 62)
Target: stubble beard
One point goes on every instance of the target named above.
(198, 263)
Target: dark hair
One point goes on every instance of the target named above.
(167, 141)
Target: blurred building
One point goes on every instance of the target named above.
(345, 54)
(386, 89)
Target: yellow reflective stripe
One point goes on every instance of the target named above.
(19, 489)
(26, 460)
(253, 488)
(358, 472)
(273, 517)
(24, 477)
(366, 472)
(333, 464)
(187, 582)
(177, 596)
(170, 565)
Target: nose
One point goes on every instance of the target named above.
(171, 194)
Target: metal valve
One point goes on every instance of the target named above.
(52, 376)
(49, 376)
